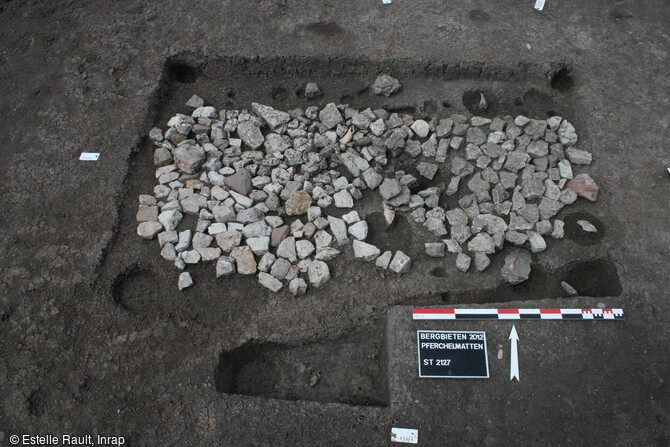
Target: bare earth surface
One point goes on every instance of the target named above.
(95, 338)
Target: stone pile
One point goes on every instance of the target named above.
(259, 185)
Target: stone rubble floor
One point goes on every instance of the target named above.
(262, 187)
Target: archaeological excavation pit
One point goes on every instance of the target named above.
(292, 324)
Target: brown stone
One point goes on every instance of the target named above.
(240, 182)
(278, 235)
(244, 258)
(298, 203)
(584, 186)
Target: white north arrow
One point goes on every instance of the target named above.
(514, 356)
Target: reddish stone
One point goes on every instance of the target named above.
(278, 235)
(584, 186)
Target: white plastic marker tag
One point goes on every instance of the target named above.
(89, 156)
(405, 435)
(539, 5)
(386, 2)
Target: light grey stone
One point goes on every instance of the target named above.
(549, 208)
(567, 288)
(435, 226)
(185, 280)
(452, 246)
(312, 91)
(318, 273)
(516, 237)
(339, 230)
(351, 217)
(259, 245)
(566, 133)
(538, 149)
(266, 262)
(517, 267)
(326, 253)
(463, 262)
(587, 226)
(228, 240)
(147, 214)
(452, 188)
(330, 116)
(384, 260)
(359, 230)
(343, 199)
(209, 253)
(273, 118)
(297, 287)
(427, 170)
(578, 156)
(559, 229)
(400, 263)
(148, 230)
(460, 233)
(304, 248)
(191, 257)
(482, 243)
(481, 261)
(386, 85)
(536, 242)
(435, 249)
(250, 134)
(169, 219)
(565, 169)
(365, 251)
(201, 240)
(420, 128)
(270, 282)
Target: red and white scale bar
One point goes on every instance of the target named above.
(517, 314)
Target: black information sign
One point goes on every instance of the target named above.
(452, 354)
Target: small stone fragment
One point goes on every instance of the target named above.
(587, 226)
(185, 280)
(567, 288)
